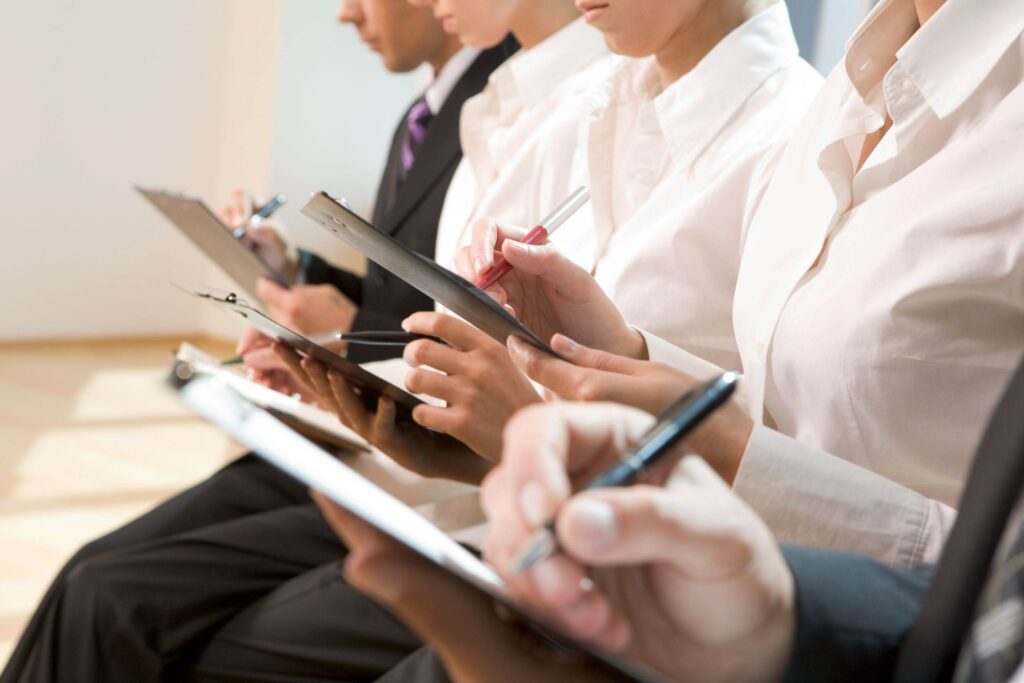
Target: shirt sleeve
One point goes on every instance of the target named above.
(667, 353)
(813, 498)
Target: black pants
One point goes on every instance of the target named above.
(236, 579)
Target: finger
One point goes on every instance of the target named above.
(316, 374)
(482, 245)
(586, 357)
(264, 235)
(543, 260)
(293, 362)
(565, 379)
(351, 408)
(438, 356)
(433, 384)
(437, 418)
(251, 339)
(456, 332)
(384, 420)
(263, 358)
(696, 533)
(464, 264)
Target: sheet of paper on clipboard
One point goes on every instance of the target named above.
(443, 286)
(302, 459)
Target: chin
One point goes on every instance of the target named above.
(627, 46)
(481, 41)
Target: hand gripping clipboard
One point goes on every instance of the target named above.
(443, 286)
(302, 459)
(195, 220)
(364, 383)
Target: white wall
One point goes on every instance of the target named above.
(189, 95)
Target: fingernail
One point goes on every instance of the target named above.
(594, 522)
(478, 264)
(535, 504)
(564, 344)
(546, 577)
(517, 247)
(405, 324)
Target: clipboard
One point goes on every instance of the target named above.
(297, 456)
(195, 220)
(368, 386)
(443, 286)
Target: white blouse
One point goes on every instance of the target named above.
(880, 312)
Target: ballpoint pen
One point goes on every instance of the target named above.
(680, 419)
(539, 233)
(366, 338)
(261, 214)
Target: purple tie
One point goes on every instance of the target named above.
(416, 123)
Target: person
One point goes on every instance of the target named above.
(238, 501)
(847, 333)
(675, 165)
(684, 578)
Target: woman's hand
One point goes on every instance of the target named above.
(585, 374)
(426, 452)
(441, 609)
(546, 291)
(678, 574)
(481, 387)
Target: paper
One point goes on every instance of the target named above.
(460, 296)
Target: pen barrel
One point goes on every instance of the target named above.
(501, 267)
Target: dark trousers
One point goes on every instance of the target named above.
(236, 579)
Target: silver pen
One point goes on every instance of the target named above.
(260, 215)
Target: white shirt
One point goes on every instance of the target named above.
(445, 80)
(879, 313)
(676, 174)
(518, 137)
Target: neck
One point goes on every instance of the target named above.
(445, 51)
(537, 20)
(699, 35)
(926, 8)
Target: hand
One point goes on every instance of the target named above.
(442, 610)
(428, 453)
(680, 560)
(480, 385)
(263, 366)
(265, 238)
(307, 309)
(590, 375)
(547, 292)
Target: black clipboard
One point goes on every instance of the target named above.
(299, 457)
(368, 386)
(443, 286)
(232, 255)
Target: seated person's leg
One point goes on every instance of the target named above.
(149, 601)
(315, 627)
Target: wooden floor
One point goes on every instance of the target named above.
(89, 438)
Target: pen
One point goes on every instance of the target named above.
(680, 419)
(261, 214)
(367, 338)
(538, 234)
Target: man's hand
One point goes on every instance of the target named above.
(428, 453)
(546, 291)
(481, 387)
(678, 574)
(590, 375)
(308, 309)
(441, 609)
(264, 238)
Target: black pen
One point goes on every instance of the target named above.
(259, 215)
(366, 338)
(675, 423)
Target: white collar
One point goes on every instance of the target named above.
(441, 87)
(947, 58)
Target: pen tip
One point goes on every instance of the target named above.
(541, 545)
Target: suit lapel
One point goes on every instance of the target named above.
(441, 149)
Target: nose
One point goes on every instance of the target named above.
(350, 12)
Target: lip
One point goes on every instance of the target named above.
(447, 23)
(592, 10)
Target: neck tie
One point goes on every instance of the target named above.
(416, 122)
(995, 644)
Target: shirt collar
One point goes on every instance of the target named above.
(530, 75)
(444, 82)
(947, 58)
(693, 110)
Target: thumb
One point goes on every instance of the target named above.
(543, 260)
(271, 292)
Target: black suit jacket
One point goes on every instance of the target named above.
(409, 211)
(862, 621)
